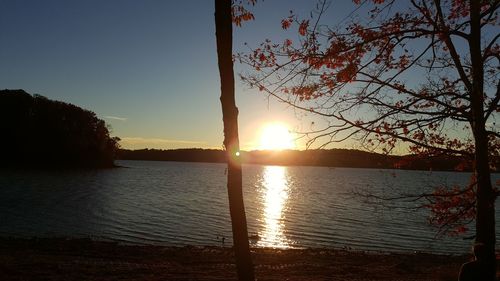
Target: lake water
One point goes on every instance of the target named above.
(172, 203)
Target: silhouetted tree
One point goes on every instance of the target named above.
(38, 132)
(223, 32)
(363, 76)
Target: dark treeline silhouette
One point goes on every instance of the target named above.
(42, 133)
(180, 155)
(315, 157)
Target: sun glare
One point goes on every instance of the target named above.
(276, 136)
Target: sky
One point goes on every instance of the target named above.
(148, 68)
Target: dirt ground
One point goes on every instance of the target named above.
(85, 259)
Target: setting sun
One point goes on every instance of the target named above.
(276, 136)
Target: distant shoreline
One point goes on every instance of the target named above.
(335, 158)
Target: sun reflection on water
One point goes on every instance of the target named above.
(275, 195)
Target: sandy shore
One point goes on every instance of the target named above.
(84, 259)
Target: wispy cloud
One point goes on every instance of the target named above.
(138, 142)
(115, 118)
(490, 124)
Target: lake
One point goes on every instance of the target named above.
(173, 203)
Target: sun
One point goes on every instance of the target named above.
(276, 136)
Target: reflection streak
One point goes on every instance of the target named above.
(275, 194)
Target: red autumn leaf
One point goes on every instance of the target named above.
(286, 23)
(303, 27)
(405, 130)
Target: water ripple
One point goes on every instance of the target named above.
(173, 203)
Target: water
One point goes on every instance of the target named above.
(172, 203)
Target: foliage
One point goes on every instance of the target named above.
(239, 13)
(421, 74)
(38, 132)
(452, 208)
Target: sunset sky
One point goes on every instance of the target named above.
(148, 68)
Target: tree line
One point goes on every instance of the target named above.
(40, 133)
(350, 158)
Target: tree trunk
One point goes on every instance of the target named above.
(485, 198)
(223, 33)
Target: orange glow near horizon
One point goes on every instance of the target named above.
(275, 136)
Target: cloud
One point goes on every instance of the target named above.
(490, 124)
(116, 118)
(138, 142)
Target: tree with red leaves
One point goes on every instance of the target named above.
(421, 74)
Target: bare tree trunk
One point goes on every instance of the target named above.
(485, 198)
(224, 35)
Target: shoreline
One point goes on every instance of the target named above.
(87, 259)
